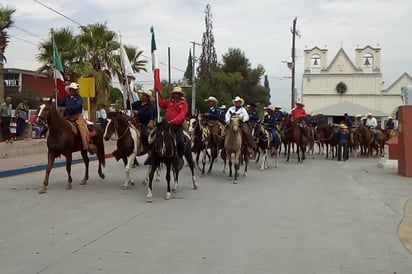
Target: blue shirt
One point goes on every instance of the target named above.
(214, 113)
(278, 116)
(145, 113)
(73, 104)
(270, 121)
(390, 125)
(253, 116)
(343, 136)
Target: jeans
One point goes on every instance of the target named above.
(20, 127)
(178, 130)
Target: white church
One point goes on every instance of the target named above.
(343, 86)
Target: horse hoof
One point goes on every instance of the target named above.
(244, 174)
(149, 199)
(195, 186)
(42, 190)
(174, 190)
(69, 186)
(102, 176)
(132, 183)
(125, 187)
(168, 196)
(234, 181)
(230, 178)
(83, 182)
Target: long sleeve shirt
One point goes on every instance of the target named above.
(145, 113)
(299, 113)
(371, 122)
(73, 104)
(176, 111)
(239, 111)
(214, 113)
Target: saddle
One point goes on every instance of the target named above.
(75, 126)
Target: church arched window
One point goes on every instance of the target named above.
(315, 63)
(367, 62)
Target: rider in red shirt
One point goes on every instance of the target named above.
(177, 110)
(299, 112)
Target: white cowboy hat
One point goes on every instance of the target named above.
(131, 75)
(223, 107)
(343, 126)
(358, 115)
(72, 85)
(268, 107)
(238, 99)
(178, 90)
(390, 118)
(369, 114)
(299, 103)
(211, 98)
(147, 92)
(276, 107)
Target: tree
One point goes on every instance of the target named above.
(188, 76)
(6, 21)
(208, 59)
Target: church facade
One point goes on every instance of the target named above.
(346, 85)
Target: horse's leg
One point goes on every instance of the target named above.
(287, 152)
(149, 194)
(214, 153)
(98, 141)
(229, 159)
(204, 155)
(190, 162)
(246, 162)
(86, 166)
(50, 162)
(169, 192)
(236, 165)
(197, 161)
(69, 170)
(130, 161)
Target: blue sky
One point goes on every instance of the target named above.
(260, 28)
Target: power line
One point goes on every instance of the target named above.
(28, 32)
(24, 40)
(58, 12)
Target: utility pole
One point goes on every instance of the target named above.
(294, 33)
(194, 77)
(168, 66)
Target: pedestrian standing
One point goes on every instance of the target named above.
(22, 115)
(5, 115)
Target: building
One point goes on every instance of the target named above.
(28, 83)
(343, 86)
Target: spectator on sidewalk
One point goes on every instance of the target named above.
(103, 117)
(33, 121)
(22, 114)
(13, 128)
(5, 115)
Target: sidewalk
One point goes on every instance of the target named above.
(31, 155)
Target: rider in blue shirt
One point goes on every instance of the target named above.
(270, 121)
(213, 112)
(253, 114)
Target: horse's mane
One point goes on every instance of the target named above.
(163, 142)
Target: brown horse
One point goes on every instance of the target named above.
(63, 139)
(293, 134)
(233, 145)
(364, 138)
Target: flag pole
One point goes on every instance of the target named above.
(155, 69)
(54, 69)
(125, 89)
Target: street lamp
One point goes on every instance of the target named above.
(194, 77)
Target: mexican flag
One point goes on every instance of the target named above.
(155, 64)
(59, 82)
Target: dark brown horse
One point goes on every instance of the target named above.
(365, 139)
(293, 134)
(62, 140)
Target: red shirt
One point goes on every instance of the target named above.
(176, 111)
(299, 113)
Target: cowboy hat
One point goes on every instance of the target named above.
(369, 114)
(343, 126)
(223, 107)
(73, 85)
(238, 99)
(211, 98)
(299, 103)
(390, 118)
(147, 92)
(131, 75)
(179, 90)
(268, 107)
(277, 107)
(358, 115)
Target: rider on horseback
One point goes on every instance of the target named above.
(145, 113)
(238, 109)
(272, 118)
(177, 110)
(371, 123)
(73, 112)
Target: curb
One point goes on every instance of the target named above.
(39, 167)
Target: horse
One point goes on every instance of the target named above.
(364, 137)
(263, 140)
(128, 142)
(163, 150)
(327, 135)
(64, 139)
(199, 132)
(293, 134)
(233, 145)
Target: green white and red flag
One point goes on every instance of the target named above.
(58, 73)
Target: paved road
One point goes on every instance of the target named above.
(321, 216)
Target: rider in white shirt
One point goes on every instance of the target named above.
(371, 123)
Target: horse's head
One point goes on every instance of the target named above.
(234, 122)
(162, 140)
(44, 112)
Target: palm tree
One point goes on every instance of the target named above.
(66, 44)
(6, 21)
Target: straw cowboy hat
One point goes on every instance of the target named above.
(299, 104)
(131, 75)
(358, 115)
(223, 107)
(238, 99)
(147, 92)
(178, 90)
(73, 85)
(268, 107)
(369, 114)
(390, 118)
(343, 126)
(211, 99)
(276, 107)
